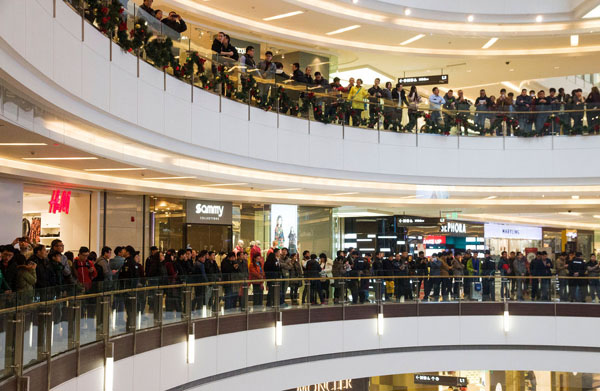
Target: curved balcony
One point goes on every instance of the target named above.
(175, 337)
(91, 79)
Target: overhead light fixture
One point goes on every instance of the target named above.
(354, 1)
(114, 169)
(539, 18)
(594, 13)
(575, 197)
(226, 184)
(413, 39)
(21, 144)
(343, 30)
(489, 43)
(287, 15)
(597, 216)
(570, 213)
(574, 40)
(61, 158)
(470, 18)
(290, 189)
(164, 178)
(341, 194)
(491, 197)
(407, 11)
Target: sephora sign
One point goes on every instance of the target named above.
(208, 212)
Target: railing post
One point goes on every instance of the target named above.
(158, 308)
(131, 312)
(17, 338)
(76, 321)
(187, 303)
(48, 344)
(276, 295)
(82, 19)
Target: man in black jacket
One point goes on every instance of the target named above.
(228, 269)
(147, 6)
(577, 269)
(297, 74)
(488, 268)
(376, 93)
(272, 272)
(399, 98)
(175, 22)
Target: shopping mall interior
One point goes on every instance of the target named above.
(299, 195)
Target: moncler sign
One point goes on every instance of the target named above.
(208, 212)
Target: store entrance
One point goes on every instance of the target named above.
(209, 237)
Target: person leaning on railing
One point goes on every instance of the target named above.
(562, 271)
(256, 272)
(357, 95)
(592, 106)
(413, 108)
(593, 271)
(247, 60)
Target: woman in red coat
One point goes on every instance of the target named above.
(86, 271)
(256, 272)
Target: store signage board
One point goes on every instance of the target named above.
(454, 228)
(451, 381)
(208, 212)
(423, 80)
(415, 220)
(434, 239)
(60, 201)
(506, 231)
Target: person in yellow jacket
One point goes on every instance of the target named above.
(357, 95)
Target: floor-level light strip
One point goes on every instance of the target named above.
(191, 350)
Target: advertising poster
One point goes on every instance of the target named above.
(284, 226)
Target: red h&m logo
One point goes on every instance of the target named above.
(60, 201)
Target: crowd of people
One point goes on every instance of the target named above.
(172, 20)
(290, 278)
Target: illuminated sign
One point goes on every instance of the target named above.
(434, 239)
(450, 381)
(414, 220)
(423, 80)
(60, 201)
(505, 231)
(208, 212)
(454, 228)
(339, 385)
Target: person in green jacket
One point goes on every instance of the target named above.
(26, 279)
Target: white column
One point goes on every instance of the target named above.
(11, 209)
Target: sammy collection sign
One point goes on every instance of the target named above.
(208, 212)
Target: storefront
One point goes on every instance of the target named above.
(393, 234)
(507, 237)
(220, 226)
(559, 240)
(51, 213)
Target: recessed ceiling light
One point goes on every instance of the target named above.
(343, 30)
(115, 169)
(171, 177)
(287, 15)
(574, 40)
(491, 197)
(597, 216)
(354, 1)
(575, 197)
(511, 70)
(61, 158)
(470, 18)
(570, 213)
(413, 39)
(489, 43)
(539, 18)
(20, 144)
(468, 71)
(407, 11)
(341, 194)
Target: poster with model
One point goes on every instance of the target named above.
(284, 226)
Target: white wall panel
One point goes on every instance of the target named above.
(232, 109)
(326, 152)
(39, 37)
(299, 332)
(178, 118)
(47, 5)
(205, 127)
(231, 352)
(293, 147)
(360, 156)
(68, 19)
(293, 124)
(124, 372)
(326, 337)
(123, 94)
(262, 141)
(151, 107)
(126, 62)
(260, 346)
(95, 79)
(260, 116)
(173, 366)
(67, 53)
(234, 136)
(205, 363)
(142, 378)
(152, 76)
(99, 43)
(13, 24)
